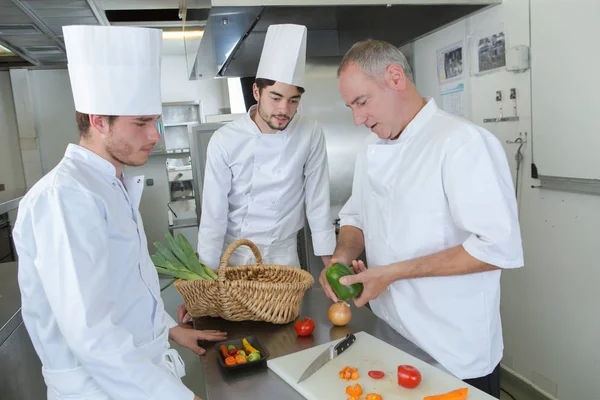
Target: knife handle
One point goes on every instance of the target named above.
(344, 344)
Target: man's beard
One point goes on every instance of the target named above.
(265, 117)
(119, 149)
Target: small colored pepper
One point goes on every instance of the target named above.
(224, 351)
(343, 292)
(229, 361)
(355, 390)
(240, 359)
(253, 357)
(354, 398)
(249, 349)
(373, 396)
(241, 353)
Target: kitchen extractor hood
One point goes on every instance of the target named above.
(235, 29)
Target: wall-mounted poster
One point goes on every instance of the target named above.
(489, 51)
(454, 99)
(450, 62)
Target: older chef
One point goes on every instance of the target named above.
(90, 295)
(263, 169)
(432, 202)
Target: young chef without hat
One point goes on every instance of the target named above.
(263, 169)
(90, 294)
(434, 206)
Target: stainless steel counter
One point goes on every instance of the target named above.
(262, 383)
(9, 200)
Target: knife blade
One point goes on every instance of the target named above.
(329, 354)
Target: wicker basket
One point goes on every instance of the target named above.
(271, 293)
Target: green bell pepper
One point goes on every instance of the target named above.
(343, 292)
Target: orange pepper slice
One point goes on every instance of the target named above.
(374, 396)
(355, 390)
(459, 394)
(229, 361)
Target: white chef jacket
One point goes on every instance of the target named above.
(444, 182)
(90, 293)
(256, 186)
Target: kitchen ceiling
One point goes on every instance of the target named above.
(32, 29)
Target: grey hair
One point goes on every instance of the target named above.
(373, 58)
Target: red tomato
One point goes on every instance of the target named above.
(376, 374)
(408, 376)
(304, 326)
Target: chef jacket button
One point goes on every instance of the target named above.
(372, 194)
(139, 180)
(273, 202)
(258, 168)
(278, 171)
(246, 224)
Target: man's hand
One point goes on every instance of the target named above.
(183, 316)
(188, 337)
(374, 280)
(325, 284)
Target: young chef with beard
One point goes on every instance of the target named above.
(90, 294)
(264, 169)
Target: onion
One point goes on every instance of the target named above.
(339, 313)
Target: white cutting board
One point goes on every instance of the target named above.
(367, 353)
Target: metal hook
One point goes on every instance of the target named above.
(519, 140)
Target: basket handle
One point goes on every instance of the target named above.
(232, 247)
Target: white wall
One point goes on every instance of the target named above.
(549, 306)
(176, 86)
(54, 114)
(11, 166)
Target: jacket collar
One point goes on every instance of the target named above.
(416, 124)
(76, 152)
(134, 185)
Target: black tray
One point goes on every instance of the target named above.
(264, 354)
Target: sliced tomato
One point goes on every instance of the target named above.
(376, 374)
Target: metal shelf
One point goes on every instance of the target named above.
(184, 223)
(170, 152)
(182, 198)
(180, 124)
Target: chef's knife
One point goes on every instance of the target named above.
(329, 354)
